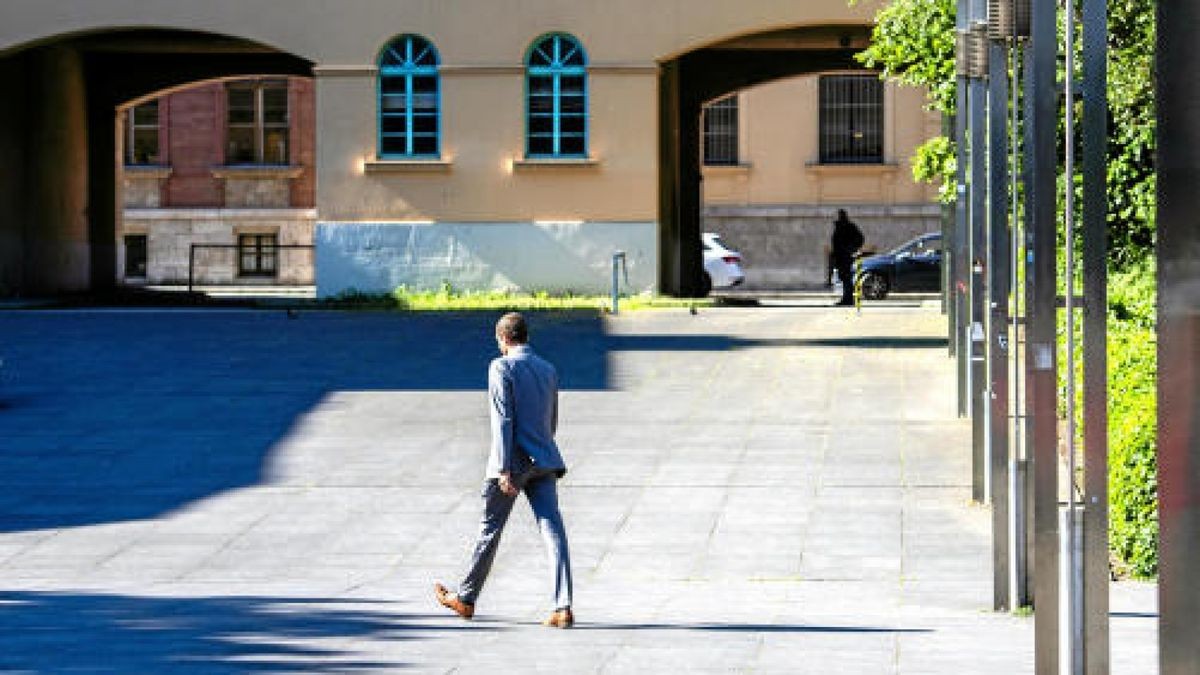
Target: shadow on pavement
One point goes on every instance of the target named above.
(56, 632)
(747, 628)
(117, 416)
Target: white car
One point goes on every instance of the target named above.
(722, 266)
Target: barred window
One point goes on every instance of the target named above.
(141, 134)
(721, 132)
(258, 123)
(556, 98)
(409, 99)
(851, 119)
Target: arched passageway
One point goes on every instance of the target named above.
(690, 80)
(58, 141)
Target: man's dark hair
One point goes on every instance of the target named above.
(842, 217)
(512, 328)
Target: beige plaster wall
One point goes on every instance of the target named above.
(466, 31)
(780, 146)
(483, 176)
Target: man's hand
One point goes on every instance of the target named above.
(506, 484)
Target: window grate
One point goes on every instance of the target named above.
(851, 112)
(721, 132)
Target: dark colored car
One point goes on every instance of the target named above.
(912, 267)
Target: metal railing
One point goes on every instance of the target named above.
(280, 270)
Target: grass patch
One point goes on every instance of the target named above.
(448, 299)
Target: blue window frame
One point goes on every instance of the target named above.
(409, 99)
(556, 94)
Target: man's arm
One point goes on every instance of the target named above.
(500, 396)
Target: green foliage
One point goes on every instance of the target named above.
(913, 43)
(448, 299)
(1132, 470)
(935, 162)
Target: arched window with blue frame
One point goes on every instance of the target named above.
(409, 99)
(556, 98)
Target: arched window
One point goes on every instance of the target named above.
(556, 98)
(409, 93)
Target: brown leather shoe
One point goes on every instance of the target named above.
(448, 599)
(561, 618)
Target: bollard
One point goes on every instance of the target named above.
(618, 258)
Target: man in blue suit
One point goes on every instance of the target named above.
(523, 396)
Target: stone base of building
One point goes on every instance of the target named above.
(786, 247)
(171, 233)
(558, 257)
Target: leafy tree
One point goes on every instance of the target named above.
(913, 44)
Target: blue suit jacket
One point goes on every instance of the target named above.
(523, 393)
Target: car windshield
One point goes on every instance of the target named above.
(918, 246)
(717, 241)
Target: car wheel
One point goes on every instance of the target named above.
(874, 286)
(705, 285)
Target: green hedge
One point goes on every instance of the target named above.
(1132, 375)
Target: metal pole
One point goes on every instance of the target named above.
(618, 258)
(948, 256)
(978, 345)
(1041, 345)
(998, 285)
(1072, 590)
(1095, 338)
(191, 266)
(1018, 514)
(960, 260)
(1178, 161)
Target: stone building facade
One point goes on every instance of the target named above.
(484, 143)
(218, 185)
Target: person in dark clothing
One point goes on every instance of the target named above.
(847, 239)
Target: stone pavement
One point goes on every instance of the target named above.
(781, 489)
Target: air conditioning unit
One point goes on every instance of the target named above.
(971, 51)
(1008, 19)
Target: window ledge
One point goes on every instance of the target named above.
(406, 165)
(728, 168)
(147, 171)
(881, 168)
(262, 171)
(534, 163)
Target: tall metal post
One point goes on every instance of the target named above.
(948, 255)
(1095, 338)
(1041, 346)
(1178, 88)
(1019, 548)
(998, 345)
(960, 257)
(978, 337)
(1024, 363)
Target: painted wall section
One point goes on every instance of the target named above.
(464, 31)
(550, 256)
(483, 176)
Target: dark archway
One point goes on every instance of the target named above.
(58, 142)
(685, 84)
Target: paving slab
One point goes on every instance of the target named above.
(773, 489)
